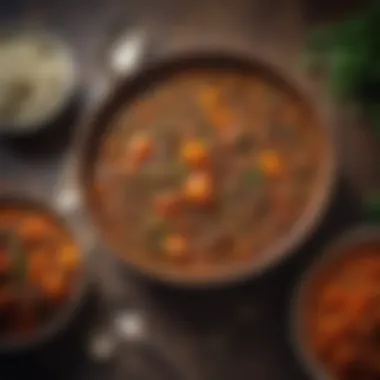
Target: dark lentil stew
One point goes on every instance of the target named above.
(342, 316)
(39, 265)
(204, 170)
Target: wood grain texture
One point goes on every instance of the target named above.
(228, 334)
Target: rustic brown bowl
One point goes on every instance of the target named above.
(332, 255)
(126, 90)
(66, 312)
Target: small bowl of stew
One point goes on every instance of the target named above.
(41, 274)
(206, 169)
(336, 318)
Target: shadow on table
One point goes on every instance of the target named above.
(318, 11)
(64, 357)
(51, 140)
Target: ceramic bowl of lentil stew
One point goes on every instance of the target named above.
(41, 274)
(336, 320)
(205, 169)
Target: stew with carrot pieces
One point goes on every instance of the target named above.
(39, 263)
(206, 169)
(343, 315)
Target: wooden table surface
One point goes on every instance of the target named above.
(240, 333)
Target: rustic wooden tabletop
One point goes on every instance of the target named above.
(238, 333)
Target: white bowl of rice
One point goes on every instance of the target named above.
(38, 79)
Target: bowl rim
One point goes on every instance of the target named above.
(69, 86)
(174, 62)
(333, 253)
(65, 314)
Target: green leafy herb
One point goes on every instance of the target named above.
(350, 49)
(372, 207)
(20, 263)
(16, 250)
(346, 33)
(373, 111)
(156, 229)
(346, 71)
(253, 177)
(21, 268)
(350, 52)
(180, 170)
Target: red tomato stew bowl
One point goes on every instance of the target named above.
(335, 320)
(42, 274)
(206, 169)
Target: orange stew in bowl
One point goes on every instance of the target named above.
(206, 169)
(39, 262)
(343, 316)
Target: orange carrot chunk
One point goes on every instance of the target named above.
(175, 246)
(140, 147)
(270, 163)
(217, 114)
(34, 227)
(194, 153)
(69, 257)
(54, 285)
(198, 188)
